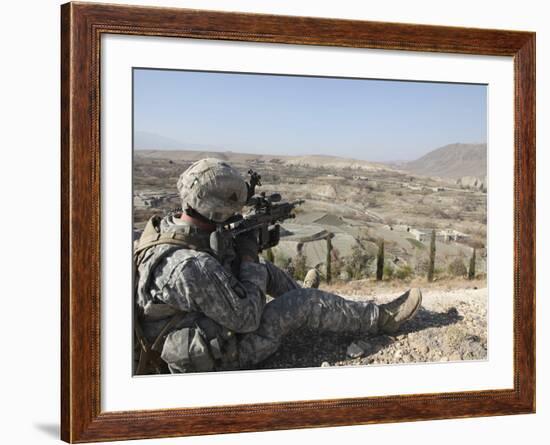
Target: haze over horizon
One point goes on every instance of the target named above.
(374, 120)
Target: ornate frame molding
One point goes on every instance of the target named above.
(82, 25)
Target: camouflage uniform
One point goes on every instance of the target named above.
(193, 314)
(228, 323)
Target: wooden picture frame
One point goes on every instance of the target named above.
(82, 26)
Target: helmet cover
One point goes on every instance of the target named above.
(212, 188)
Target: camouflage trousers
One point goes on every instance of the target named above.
(293, 308)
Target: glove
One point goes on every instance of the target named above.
(247, 247)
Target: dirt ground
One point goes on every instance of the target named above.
(451, 325)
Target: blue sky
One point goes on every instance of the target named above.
(375, 120)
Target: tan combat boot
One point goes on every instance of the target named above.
(396, 312)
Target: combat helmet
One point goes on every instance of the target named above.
(212, 188)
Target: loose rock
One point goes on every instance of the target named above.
(355, 351)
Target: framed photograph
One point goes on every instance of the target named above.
(274, 222)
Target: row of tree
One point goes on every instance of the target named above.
(470, 272)
(356, 266)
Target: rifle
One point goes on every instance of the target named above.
(266, 212)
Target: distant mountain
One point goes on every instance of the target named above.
(451, 161)
(314, 161)
(144, 140)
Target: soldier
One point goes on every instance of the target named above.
(192, 314)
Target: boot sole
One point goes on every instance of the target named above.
(415, 310)
(411, 315)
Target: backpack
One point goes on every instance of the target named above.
(149, 358)
(209, 346)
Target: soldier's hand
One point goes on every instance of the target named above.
(247, 247)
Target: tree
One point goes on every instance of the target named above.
(300, 266)
(337, 264)
(472, 268)
(380, 261)
(404, 272)
(357, 263)
(457, 268)
(431, 266)
(329, 259)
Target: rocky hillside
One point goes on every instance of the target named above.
(452, 161)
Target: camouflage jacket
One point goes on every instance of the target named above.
(194, 281)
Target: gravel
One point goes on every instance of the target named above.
(451, 326)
